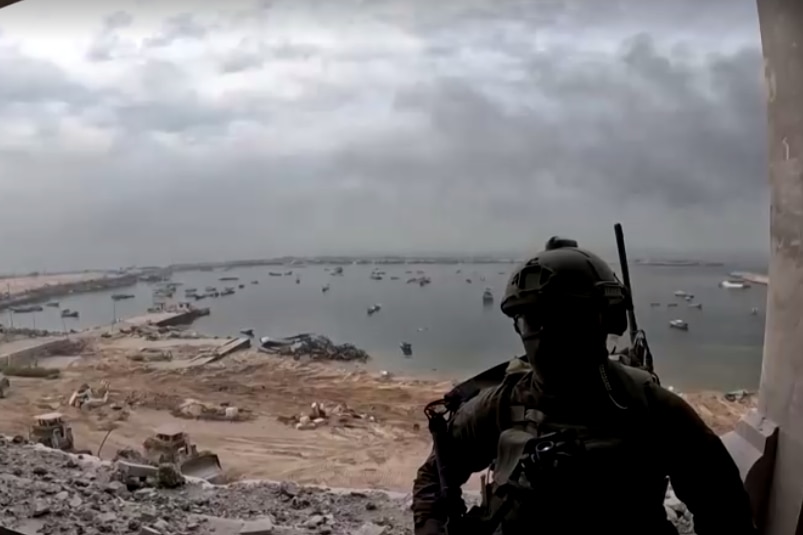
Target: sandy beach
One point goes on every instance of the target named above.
(379, 442)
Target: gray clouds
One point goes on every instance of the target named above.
(288, 129)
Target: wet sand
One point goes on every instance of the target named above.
(382, 450)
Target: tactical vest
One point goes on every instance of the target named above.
(563, 473)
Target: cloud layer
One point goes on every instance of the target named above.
(159, 133)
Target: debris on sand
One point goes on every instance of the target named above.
(199, 410)
(318, 416)
(153, 333)
(63, 493)
(5, 384)
(315, 347)
(738, 396)
(85, 398)
(151, 354)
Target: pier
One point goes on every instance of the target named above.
(755, 278)
(182, 316)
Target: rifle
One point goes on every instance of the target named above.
(639, 354)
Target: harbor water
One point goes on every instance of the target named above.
(446, 323)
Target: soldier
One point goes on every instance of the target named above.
(578, 443)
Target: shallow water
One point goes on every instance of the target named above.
(449, 328)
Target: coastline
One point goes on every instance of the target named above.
(40, 289)
(374, 435)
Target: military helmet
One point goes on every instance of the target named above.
(564, 276)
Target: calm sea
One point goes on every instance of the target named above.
(449, 328)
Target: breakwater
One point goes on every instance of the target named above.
(48, 292)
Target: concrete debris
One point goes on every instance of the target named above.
(151, 354)
(62, 493)
(262, 526)
(13, 333)
(85, 398)
(318, 416)
(4, 385)
(315, 347)
(738, 396)
(199, 410)
(154, 333)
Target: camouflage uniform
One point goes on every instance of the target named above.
(639, 433)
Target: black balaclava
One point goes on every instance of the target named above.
(565, 346)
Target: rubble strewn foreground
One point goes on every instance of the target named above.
(60, 493)
(54, 492)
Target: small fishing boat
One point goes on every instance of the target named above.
(27, 309)
(487, 297)
(679, 325)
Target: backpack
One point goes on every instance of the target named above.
(552, 468)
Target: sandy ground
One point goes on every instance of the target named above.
(380, 452)
(17, 285)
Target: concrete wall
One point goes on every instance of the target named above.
(781, 392)
(29, 354)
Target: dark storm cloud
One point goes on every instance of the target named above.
(642, 125)
(410, 126)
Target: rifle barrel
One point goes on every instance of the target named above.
(620, 245)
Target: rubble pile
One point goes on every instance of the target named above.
(153, 333)
(25, 332)
(199, 410)
(59, 493)
(150, 354)
(72, 347)
(739, 396)
(338, 416)
(87, 398)
(315, 347)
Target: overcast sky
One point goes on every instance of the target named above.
(145, 131)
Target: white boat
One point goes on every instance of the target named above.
(681, 293)
(734, 285)
(679, 324)
(698, 306)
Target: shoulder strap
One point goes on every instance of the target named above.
(515, 409)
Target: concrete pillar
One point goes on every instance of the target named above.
(777, 487)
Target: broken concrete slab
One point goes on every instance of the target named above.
(262, 526)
